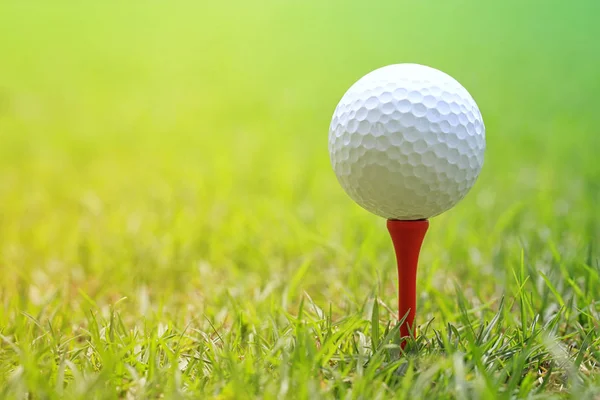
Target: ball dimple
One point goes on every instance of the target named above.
(414, 159)
(378, 129)
(346, 139)
(383, 143)
(420, 170)
(420, 145)
(393, 126)
(478, 127)
(342, 118)
(440, 149)
(407, 120)
(352, 126)
(446, 95)
(433, 115)
(452, 155)
(415, 96)
(355, 140)
(407, 142)
(435, 91)
(471, 117)
(443, 108)
(452, 141)
(429, 158)
(453, 120)
(429, 101)
(400, 93)
(454, 107)
(463, 161)
(471, 129)
(361, 114)
(386, 97)
(401, 159)
(388, 108)
(371, 103)
(430, 137)
(404, 106)
(344, 154)
(363, 127)
(480, 157)
(374, 115)
(422, 125)
(480, 139)
(369, 142)
(461, 132)
(379, 89)
(419, 110)
(397, 140)
(445, 126)
(411, 135)
(406, 148)
(472, 163)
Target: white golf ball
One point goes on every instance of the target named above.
(406, 142)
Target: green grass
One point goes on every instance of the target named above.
(170, 226)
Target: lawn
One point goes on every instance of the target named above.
(170, 226)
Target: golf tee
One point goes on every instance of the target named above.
(407, 237)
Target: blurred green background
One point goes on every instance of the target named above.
(140, 139)
(144, 137)
(176, 153)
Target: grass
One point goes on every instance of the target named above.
(170, 226)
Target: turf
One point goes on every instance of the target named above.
(170, 226)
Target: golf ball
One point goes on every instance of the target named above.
(406, 142)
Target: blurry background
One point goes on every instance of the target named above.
(177, 154)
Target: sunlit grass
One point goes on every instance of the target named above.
(170, 225)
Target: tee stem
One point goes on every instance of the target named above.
(407, 237)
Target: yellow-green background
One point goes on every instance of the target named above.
(175, 153)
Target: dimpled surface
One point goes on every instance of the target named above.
(406, 142)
